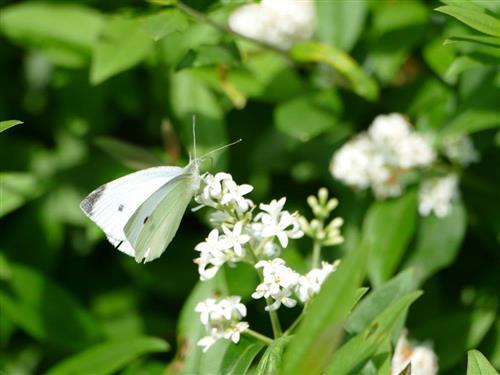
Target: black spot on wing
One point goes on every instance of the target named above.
(89, 202)
(121, 207)
(145, 220)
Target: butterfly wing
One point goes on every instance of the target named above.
(112, 205)
(154, 224)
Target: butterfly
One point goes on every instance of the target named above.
(140, 213)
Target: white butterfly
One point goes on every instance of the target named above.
(141, 212)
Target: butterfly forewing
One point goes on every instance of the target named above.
(154, 224)
(112, 205)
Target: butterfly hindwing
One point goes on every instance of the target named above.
(154, 224)
(112, 205)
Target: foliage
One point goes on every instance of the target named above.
(104, 88)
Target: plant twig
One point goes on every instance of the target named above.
(316, 257)
(266, 340)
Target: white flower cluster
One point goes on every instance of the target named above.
(238, 226)
(460, 150)
(422, 358)
(280, 23)
(222, 320)
(437, 194)
(378, 158)
(280, 283)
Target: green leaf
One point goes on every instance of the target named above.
(471, 121)
(477, 20)
(271, 362)
(4, 125)
(459, 65)
(387, 229)
(351, 357)
(479, 39)
(319, 333)
(477, 364)
(438, 242)
(361, 83)
(45, 310)
(16, 189)
(307, 116)
(130, 155)
(51, 28)
(166, 22)
(379, 299)
(340, 22)
(109, 357)
(122, 44)
(239, 357)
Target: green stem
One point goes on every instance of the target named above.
(316, 258)
(221, 27)
(266, 340)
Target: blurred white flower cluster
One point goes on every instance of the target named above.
(245, 233)
(437, 194)
(280, 23)
(380, 157)
(422, 358)
(388, 157)
(222, 320)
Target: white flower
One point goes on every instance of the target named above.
(460, 149)
(310, 284)
(278, 223)
(437, 194)
(423, 359)
(281, 23)
(379, 157)
(278, 283)
(234, 193)
(222, 320)
(212, 254)
(234, 238)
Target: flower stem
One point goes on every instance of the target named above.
(221, 27)
(266, 340)
(316, 258)
(275, 322)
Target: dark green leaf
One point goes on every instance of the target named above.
(305, 117)
(130, 155)
(164, 23)
(122, 44)
(387, 229)
(352, 356)
(479, 39)
(477, 20)
(477, 364)
(320, 331)
(379, 299)
(4, 125)
(438, 242)
(361, 83)
(271, 362)
(340, 22)
(239, 357)
(472, 120)
(44, 310)
(108, 357)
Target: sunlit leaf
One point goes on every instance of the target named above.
(238, 357)
(319, 333)
(271, 362)
(477, 20)
(108, 357)
(164, 23)
(4, 125)
(479, 39)
(361, 83)
(477, 364)
(17, 188)
(122, 44)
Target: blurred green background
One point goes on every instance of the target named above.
(104, 88)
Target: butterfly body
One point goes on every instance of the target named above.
(141, 212)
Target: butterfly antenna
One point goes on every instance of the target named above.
(194, 135)
(220, 148)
